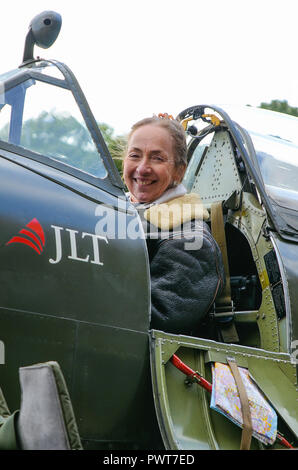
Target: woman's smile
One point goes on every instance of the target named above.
(143, 182)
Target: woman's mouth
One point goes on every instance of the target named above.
(143, 182)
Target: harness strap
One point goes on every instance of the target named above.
(217, 228)
(246, 416)
(224, 301)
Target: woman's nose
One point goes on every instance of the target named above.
(144, 167)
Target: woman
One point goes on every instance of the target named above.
(185, 261)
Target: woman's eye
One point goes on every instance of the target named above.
(157, 158)
(134, 156)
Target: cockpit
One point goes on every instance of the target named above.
(252, 171)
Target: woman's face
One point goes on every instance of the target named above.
(149, 164)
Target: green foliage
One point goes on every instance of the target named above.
(280, 106)
(66, 139)
(115, 144)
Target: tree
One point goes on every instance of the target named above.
(280, 106)
(115, 144)
(66, 139)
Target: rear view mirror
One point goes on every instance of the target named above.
(43, 31)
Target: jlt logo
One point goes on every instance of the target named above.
(33, 236)
(73, 246)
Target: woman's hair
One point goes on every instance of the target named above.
(175, 129)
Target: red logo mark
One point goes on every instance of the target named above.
(35, 234)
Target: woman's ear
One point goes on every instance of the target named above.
(179, 173)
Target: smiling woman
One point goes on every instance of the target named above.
(152, 164)
(185, 261)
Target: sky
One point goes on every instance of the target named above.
(136, 58)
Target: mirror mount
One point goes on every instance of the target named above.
(43, 32)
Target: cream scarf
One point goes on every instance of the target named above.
(174, 208)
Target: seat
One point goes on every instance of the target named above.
(46, 419)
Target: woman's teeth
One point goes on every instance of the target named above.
(144, 183)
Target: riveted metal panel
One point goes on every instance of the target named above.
(218, 175)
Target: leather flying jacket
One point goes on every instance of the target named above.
(186, 266)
